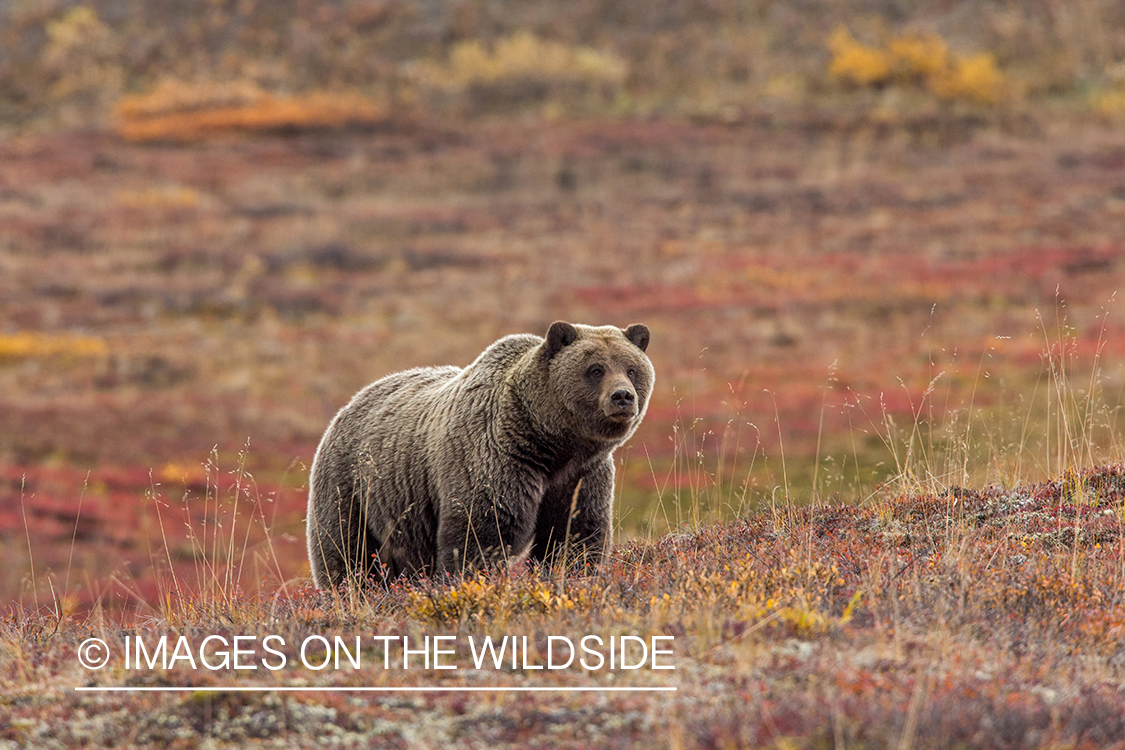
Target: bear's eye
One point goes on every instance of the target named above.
(595, 371)
(632, 373)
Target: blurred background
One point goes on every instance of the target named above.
(878, 243)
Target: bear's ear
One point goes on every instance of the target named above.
(559, 335)
(638, 334)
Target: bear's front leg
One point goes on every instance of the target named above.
(485, 532)
(578, 525)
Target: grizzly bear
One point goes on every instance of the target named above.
(447, 469)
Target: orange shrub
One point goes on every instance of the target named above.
(178, 111)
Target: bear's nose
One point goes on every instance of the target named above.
(623, 398)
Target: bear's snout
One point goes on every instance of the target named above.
(622, 402)
(623, 399)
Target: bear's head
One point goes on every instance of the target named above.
(601, 376)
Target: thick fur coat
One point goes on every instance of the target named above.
(444, 469)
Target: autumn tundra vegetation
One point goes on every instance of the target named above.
(878, 496)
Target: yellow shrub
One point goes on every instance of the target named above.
(81, 59)
(171, 197)
(495, 598)
(857, 63)
(524, 56)
(975, 79)
(41, 345)
(522, 69)
(918, 55)
(1110, 102)
(916, 59)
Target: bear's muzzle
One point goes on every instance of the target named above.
(620, 404)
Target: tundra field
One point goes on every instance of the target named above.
(878, 499)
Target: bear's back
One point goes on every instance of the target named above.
(401, 389)
(501, 358)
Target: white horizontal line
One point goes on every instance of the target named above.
(361, 689)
